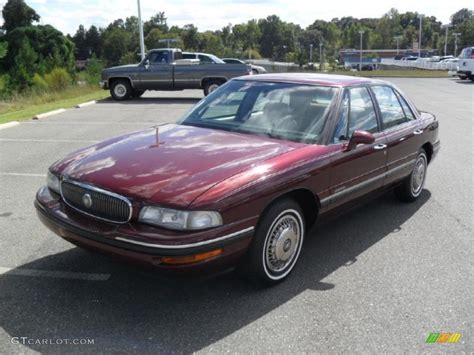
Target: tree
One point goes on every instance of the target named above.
(190, 37)
(3, 49)
(16, 13)
(116, 42)
(25, 66)
(93, 41)
(152, 40)
(460, 16)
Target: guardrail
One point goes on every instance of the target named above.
(420, 64)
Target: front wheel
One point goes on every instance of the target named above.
(277, 244)
(411, 187)
(121, 90)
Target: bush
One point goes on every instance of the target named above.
(5, 89)
(93, 70)
(58, 79)
(38, 83)
(254, 54)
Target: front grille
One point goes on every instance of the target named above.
(96, 202)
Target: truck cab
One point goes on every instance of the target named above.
(465, 68)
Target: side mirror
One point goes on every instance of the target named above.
(359, 137)
(146, 63)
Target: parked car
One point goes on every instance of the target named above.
(203, 58)
(465, 69)
(243, 176)
(165, 69)
(256, 69)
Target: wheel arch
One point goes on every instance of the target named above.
(308, 202)
(113, 79)
(205, 80)
(428, 147)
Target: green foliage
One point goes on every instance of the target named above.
(17, 14)
(3, 49)
(5, 87)
(25, 64)
(115, 45)
(58, 79)
(93, 70)
(38, 83)
(152, 40)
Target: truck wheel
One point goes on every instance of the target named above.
(121, 90)
(211, 86)
(138, 93)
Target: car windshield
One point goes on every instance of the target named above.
(285, 111)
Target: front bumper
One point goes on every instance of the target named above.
(139, 245)
(104, 84)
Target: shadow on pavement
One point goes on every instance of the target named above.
(152, 100)
(138, 311)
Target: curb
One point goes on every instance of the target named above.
(9, 124)
(50, 113)
(88, 103)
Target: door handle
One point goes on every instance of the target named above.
(380, 146)
(418, 131)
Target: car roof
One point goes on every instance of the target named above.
(312, 78)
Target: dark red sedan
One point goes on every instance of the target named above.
(242, 177)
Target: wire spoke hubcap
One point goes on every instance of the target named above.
(283, 243)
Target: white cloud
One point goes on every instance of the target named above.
(66, 15)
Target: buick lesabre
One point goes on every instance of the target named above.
(243, 176)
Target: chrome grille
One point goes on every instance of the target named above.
(103, 204)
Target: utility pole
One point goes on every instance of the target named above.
(321, 56)
(311, 53)
(361, 32)
(140, 29)
(456, 43)
(447, 26)
(420, 16)
(398, 38)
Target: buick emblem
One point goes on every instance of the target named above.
(87, 200)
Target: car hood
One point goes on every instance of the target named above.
(120, 68)
(172, 171)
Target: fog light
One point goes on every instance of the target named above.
(189, 259)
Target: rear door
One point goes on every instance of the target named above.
(404, 136)
(359, 171)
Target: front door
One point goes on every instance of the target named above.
(362, 169)
(156, 73)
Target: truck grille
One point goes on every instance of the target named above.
(96, 202)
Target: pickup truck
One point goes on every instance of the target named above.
(165, 69)
(465, 68)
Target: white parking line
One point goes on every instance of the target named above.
(46, 140)
(55, 274)
(23, 174)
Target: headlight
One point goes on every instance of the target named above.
(179, 220)
(53, 182)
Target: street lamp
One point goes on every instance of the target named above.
(361, 32)
(456, 43)
(321, 56)
(447, 26)
(420, 16)
(311, 53)
(398, 38)
(140, 29)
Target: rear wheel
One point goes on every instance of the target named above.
(211, 86)
(254, 71)
(277, 244)
(411, 187)
(121, 90)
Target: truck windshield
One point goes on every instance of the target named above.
(278, 110)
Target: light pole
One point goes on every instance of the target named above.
(447, 26)
(398, 38)
(420, 16)
(321, 56)
(286, 57)
(311, 53)
(140, 29)
(361, 32)
(456, 43)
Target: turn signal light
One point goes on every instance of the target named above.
(189, 259)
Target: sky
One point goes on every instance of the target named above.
(67, 15)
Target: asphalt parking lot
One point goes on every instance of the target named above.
(379, 279)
